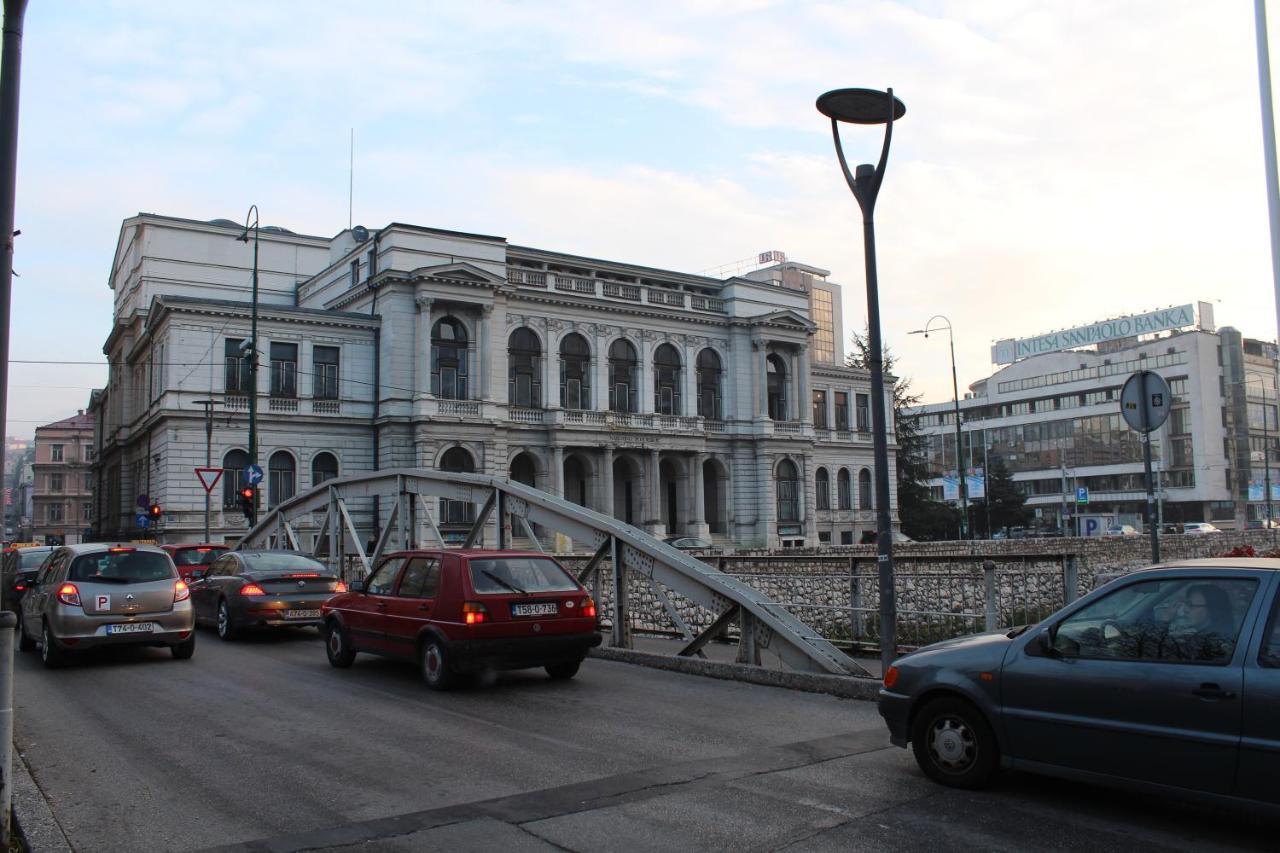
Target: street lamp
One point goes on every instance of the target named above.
(955, 390)
(252, 353)
(870, 106)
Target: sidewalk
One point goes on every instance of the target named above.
(728, 653)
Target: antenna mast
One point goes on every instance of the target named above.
(351, 177)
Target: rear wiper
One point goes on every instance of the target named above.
(491, 576)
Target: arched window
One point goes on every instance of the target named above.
(776, 385)
(324, 466)
(709, 384)
(864, 489)
(283, 478)
(524, 371)
(623, 371)
(449, 359)
(456, 512)
(844, 486)
(666, 381)
(233, 465)
(575, 372)
(788, 485)
(523, 470)
(822, 485)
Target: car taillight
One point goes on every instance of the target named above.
(252, 589)
(339, 586)
(181, 592)
(474, 613)
(19, 587)
(891, 677)
(69, 594)
(588, 607)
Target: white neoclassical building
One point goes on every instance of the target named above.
(679, 403)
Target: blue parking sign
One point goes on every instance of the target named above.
(1082, 494)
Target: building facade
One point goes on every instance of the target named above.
(62, 483)
(682, 404)
(1054, 420)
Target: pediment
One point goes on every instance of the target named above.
(786, 319)
(460, 272)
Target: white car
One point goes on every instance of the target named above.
(1199, 528)
(1121, 530)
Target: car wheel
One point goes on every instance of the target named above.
(435, 665)
(226, 630)
(954, 744)
(564, 671)
(185, 649)
(337, 645)
(25, 643)
(50, 655)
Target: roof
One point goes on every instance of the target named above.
(80, 421)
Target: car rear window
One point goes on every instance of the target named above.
(31, 558)
(121, 567)
(276, 563)
(506, 575)
(197, 556)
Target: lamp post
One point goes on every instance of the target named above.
(955, 390)
(252, 353)
(870, 106)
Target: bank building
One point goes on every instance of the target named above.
(709, 406)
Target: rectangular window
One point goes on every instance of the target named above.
(324, 364)
(86, 510)
(372, 261)
(355, 272)
(284, 370)
(842, 410)
(237, 366)
(88, 481)
(55, 482)
(846, 537)
(53, 513)
(55, 453)
(864, 412)
(820, 409)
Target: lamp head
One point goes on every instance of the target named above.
(860, 106)
(244, 236)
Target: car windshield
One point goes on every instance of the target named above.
(31, 558)
(520, 574)
(278, 563)
(197, 556)
(121, 566)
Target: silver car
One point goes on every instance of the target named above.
(93, 595)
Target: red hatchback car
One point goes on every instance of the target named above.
(189, 557)
(462, 611)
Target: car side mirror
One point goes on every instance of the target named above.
(357, 586)
(1045, 646)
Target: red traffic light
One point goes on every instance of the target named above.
(247, 493)
(155, 510)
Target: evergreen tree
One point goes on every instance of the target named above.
(1008, 505)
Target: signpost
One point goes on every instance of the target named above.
(209, 478)
(1144, 404)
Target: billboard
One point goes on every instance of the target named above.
(1010, 350)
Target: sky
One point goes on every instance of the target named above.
(1058, 163)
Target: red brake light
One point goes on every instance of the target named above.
(203, 550)
(19, 587)
(305, 575)
(68, 593)
(252, 589)
(588, 607)
(180, 591)
(891, 677)
(120, 550)
(340, 586)
(474, 613)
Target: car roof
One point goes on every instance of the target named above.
(188, 545)
(96, 547)
(487, 553)
(1268, 564)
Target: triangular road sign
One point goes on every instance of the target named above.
(209, 477)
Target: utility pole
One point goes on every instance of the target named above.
(208, 455)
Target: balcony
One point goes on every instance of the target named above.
(521, 415)
(788, 428)
(618, 290)
(574, 284)
(236, 403)
(282, 405)
(666, 297)
(326, 407)
(629, 292)
(458, 408)
(527, 278)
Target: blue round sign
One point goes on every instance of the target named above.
(253, 475)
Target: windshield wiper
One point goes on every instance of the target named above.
(1019, 631)
(491, 576)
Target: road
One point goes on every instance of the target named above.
(260, 745)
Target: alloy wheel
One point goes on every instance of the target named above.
(952, 744)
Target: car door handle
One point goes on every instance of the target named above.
(1213, 691)
(382, 605)
(425, 608)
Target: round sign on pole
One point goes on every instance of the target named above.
(1144, 401)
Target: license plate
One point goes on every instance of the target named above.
(302, 614)
(132, 628)
(548, 608)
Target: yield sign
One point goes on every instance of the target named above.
(209, 477)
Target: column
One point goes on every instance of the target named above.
(600, 385)
(645, 397)
(804, 380)
(807, 516)
(422, 348)
(551, 372)
(605, 481)
(653, 510)
(689, 407)
(760, 380)
(484, 361)
(700, 526)
(556, 478)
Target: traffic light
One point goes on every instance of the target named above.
(248, 502)
(154, 512)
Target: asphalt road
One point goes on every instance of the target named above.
(260, 745)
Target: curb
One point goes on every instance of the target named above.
(844, 686)
(33, 820)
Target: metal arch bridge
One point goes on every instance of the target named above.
(635, 556)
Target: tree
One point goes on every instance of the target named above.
(922, 517)
(1008, 505)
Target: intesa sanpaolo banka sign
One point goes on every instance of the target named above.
(1177, 317)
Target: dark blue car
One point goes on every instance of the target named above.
(1167, 679)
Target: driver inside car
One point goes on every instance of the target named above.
(1203, 628)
